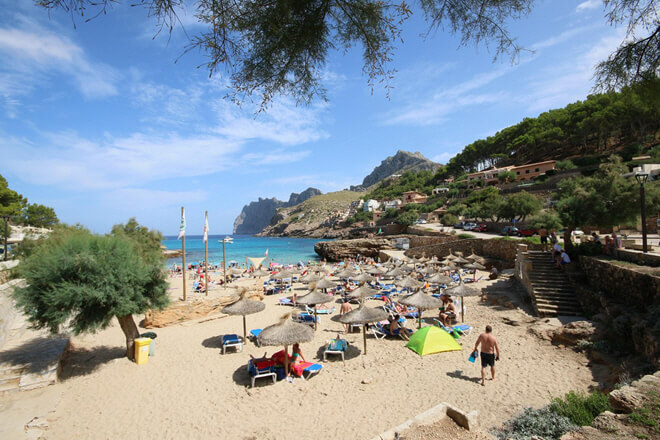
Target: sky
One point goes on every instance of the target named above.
(106, 120)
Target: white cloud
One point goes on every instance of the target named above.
(588, 4)
(36, 53)
(443, 157)
(564, 36)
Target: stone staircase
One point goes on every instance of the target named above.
(552, 292)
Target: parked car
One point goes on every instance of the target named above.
(509, 230)
(459, 225)
(420, 221)
(481, 227)
(469, 226)
(527, 232)
(576, 232)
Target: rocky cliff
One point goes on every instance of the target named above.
(257, 215)
(401, 162)
(342, 249)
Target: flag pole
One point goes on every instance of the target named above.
(224, 264)
(183, 258)
(206, 251)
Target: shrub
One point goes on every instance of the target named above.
(565, 165)
(449, 219)
(535, 422)
(579, 408)
(465, 236)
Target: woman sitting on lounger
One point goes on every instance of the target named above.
(396, 329)
(296, 360)
(449, 310)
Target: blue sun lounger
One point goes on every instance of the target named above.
(232, 340)
(254, 335)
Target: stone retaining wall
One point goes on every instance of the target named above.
(627, 301)
(493, 248)
(638, 257)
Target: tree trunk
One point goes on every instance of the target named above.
(131, 332)
(568, 244)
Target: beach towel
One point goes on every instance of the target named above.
(298, 368)
(337, 345)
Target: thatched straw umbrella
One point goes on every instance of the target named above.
(363, 277)
(244, 306)
(476, 266)
(325, 284)
(439, 278)
(346, 273)
(375, 270)
(460, 260)
(312, 299)
(363, 291)
(462, 290)
(427, 270)
(396, 272)
(362, 315)
(409, 283)
(285, 332)
(310, 277)
(475, 258)
(260, 273)
(421, 301)
(407, 267)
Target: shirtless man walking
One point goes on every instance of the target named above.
(490, 352)
(345, 308)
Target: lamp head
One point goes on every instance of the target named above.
(641, 177)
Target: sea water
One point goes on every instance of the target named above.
(283, 250)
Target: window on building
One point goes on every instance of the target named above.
(536, 170)
(526, 171)
(518, 173)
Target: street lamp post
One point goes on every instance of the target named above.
(641, 178)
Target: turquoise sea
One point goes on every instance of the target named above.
(280, 249)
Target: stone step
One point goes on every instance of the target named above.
(559, 289)
(554, 296)
(551, 302)
(561, 310)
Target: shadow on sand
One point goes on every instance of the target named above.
(84, 361)
(458, 374)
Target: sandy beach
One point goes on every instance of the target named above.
(190, 390)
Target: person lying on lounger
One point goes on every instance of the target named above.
(396, 329)
(448, 312)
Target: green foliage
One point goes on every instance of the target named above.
(519, 205)
(484, 203)
(147, 242)
(579, 408)
(565, 165)
(390, 213)
(11, 202)
(589, 248)
(361, 216)
(390, 189)
(449, 219)
(39, 216)
(407, 218)
(83, 280)
(604, 199)
(465, 236)
(506, 176)
(549, 219)
(535, 422)
(584, 127)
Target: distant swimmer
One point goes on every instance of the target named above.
(490, 352)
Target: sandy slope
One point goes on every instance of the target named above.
(190, 390)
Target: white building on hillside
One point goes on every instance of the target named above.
(371, 205)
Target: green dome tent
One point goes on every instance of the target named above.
(429, 340)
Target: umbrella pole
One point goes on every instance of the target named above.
(244, 330)
(316, 319)
(364, 336)
(462, 310)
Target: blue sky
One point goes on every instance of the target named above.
(101, 123)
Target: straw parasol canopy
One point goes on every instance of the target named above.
(363, 291)
(282, 275)
(375, 270)
(462, 290)
(346, 273)
(244, 306)
(363, 277)
(439, 278)
(285, 332)
(396, 272)
(475, 258)
(421, 301)
(312, 299)
(409, 283)
(310, 277)
(476, 266)
(460, 260)
(449, 267)
(325, 283)
(407, 267)
(260, 273)
(427, 270)
(236, 271)
(362, 315)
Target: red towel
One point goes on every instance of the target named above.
(298, 368)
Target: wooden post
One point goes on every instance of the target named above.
(183, 258)
(224, 263)
(364, 336)
(6, 252)
(244, 329)
(206, 254)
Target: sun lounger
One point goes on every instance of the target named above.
(308, 368)
(258, 368)
(336, 346)
(321, 311)
(232, 340)
(284, 301)
(305, 318)
(461, 329)
(254, 335)
(380, 331)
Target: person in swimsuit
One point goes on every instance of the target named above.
(490, 352)
(296, 359)
(345, 308)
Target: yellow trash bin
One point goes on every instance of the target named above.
(142, 350)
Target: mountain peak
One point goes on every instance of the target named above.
(401, 162)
